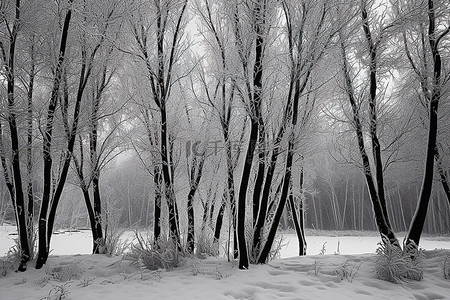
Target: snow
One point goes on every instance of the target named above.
(84, 276)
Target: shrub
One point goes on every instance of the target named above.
(346, 271)
(394, 265)
(154, 255)
(11, 260)
(5, 266)
(58, 292)
(205, 243)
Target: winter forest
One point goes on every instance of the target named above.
(216, 125)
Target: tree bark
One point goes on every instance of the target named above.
(416, 227)
(194, 180)
(18, 198)
(380, 217)
(157, 181)
(376, 148)
(45, 219)
(443, 176)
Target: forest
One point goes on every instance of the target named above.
(214, 123)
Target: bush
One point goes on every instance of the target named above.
(11, 260)
(205, 243)
(154, 255)
(112, 245)
(347, 271)
(5, 266)
(395, 265)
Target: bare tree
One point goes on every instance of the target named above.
(309, 32)
(14, 182)
(431, 82)
(159, 62)
(373, 173)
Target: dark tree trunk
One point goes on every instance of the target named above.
(190, 240)
(264, 255)
(194, 180)
(18, 197)
(380, 217)
(95, 170)
(157, 181)
(443, 176)
(168, 184)
(416, 227)
(261, 171)
(46, 219)
(264, 203)
(242, 197)
(298, 218)
(376, 148)
(219, 221)
(255, 98)
(98, 216)
(30, 192)
(91, 215)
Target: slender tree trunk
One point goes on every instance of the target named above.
(442, 175)
(255, 98)
(157, 181)
(18, 198)
(30, 192)
(46, 220)
(416, 227)
(376, 148)
(91, 215)
(378, 208)
(194, 180)
(261, 171)
(298, 218)
(168, 184)
(219, 221)
(264, 254)
(95, 169)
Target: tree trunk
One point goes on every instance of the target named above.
(264, 255)
(380, 217)
(219, 221)
(168, 184)
(194, 180)
(30, 192)
(443, 176)
(376, 148)
(157, 181)
(91, 215)
(418, 220)
(261, 171)
(46, 220)
(18, 198)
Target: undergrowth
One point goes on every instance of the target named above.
(154, 255)
(395, 265)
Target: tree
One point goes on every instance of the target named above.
(60, 96)
(253, 84)
(373, 173)
(159, 62)
(221, 96)
(431, 82)
(309, 30)
(14, 182)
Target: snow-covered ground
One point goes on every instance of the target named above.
(84, 276)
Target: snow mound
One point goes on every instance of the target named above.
(312, 277)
